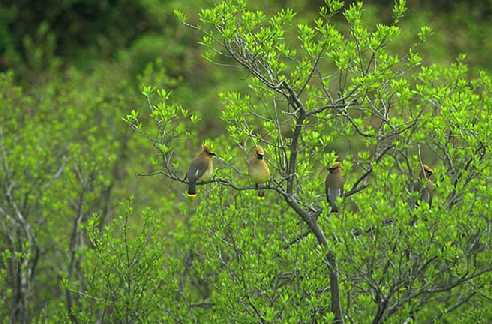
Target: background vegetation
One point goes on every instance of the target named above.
(94, 226)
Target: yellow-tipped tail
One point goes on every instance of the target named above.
(260, 192)
(191, 196)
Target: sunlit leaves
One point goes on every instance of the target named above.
(424, 33)
(383, 114)
(180, 16)
(126, 264)
(170, 119)
(334, 5)
(236, 114)
(399, 9)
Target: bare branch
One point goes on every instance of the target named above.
(313, 69)
(357, 187)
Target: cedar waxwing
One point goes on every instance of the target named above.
(334, 185)
(201, 169)
(426, 184)
(258, 169)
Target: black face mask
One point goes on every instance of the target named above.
(259, 156)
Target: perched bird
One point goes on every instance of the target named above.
(201, 169)
(258, 169)
(334, 185)
(426, 184)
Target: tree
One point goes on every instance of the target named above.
(51, 182)
(315, 92)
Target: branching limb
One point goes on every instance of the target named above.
(358, 186)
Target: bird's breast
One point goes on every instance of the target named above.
(259, 171)
(334, 181)
(208, 172)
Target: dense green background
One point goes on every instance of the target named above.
(87, 234)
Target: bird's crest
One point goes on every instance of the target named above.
(335, 166)
(206, 149)
(427, 170)
(259, 151)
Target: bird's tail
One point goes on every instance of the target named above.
(260, 191)
(191, 189)
(334, 208)
(331, 198)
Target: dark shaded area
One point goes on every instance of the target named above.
(76, 24)
(104, 26)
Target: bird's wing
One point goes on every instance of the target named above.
(267, 168)
(332, 194)
(197, 169)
